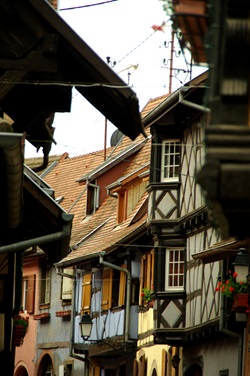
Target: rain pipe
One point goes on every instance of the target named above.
(39, 240)
(128, 295)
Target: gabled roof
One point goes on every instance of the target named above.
(100, 232)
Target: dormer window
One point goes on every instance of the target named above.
(92, 198)
(170, 165)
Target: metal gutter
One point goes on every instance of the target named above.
(172, 101)
(41, 239)
(109, 163)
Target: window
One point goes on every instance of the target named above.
(170, 166)
(45, 285)
(174, 269)
(28, 296)
(147, 272)
(122, 206)
(67, 284)
(113, 288)
(92, 198)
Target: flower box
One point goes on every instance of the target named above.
(41, 316)
(63, 313)
(20, 327)
(240, 301)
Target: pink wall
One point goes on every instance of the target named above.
(27, 353)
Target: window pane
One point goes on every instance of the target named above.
(174, 269)
(170, 160)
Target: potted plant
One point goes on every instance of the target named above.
(20, 327)
(147, 295)
(235, 290)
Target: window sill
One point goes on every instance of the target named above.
(66, 313)
(41, 316)
(44, 306)
(177, 294)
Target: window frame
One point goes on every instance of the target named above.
(45, 293)
(170, 172)
(107, 300)
(92, 198)
(28, 292)
(147, 272)
(67, 285)
(180, 274)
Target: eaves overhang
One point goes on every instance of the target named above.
(42, 58)
(221, 250)
(140, 172)
(188, 336)
(121, 241)
(173, 100)
(113, 161)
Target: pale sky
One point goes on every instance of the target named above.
(120, 29)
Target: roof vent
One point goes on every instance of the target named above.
(116, 137)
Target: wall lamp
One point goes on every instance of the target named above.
(241, 264)
(85, 326)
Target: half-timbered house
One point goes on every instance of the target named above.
(189, 313)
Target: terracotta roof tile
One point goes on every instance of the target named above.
(100, 231)
(152, 104)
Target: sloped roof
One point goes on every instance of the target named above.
(101, 232)
(35, 162)
(41, 59)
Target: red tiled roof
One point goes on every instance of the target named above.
(100, 232)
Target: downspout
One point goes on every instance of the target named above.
(231, 333)
(41, 239)
(128, 295)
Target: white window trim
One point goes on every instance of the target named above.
(171, 178)
(167, 287)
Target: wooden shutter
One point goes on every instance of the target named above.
(164, 362)
(135, 368)
(67, 284)
(86, 292)
(30, 293)
(142, 271)
(142, 366)
(96, 370)
(152, 268)
(122, 287)
(107, 288)
(149, 268)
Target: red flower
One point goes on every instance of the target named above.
(142, 294)
(231, 289)
(235, 274)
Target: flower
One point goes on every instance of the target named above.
(230, 287)
(146, 294)
(21, 321)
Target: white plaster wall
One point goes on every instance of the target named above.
(219, 355)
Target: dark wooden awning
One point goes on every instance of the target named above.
(221, 250)
(41, 59)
